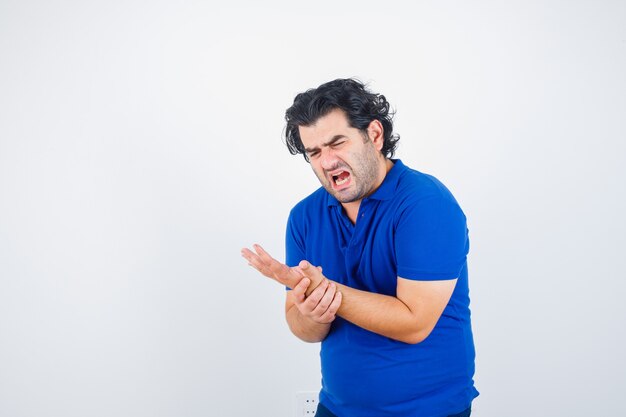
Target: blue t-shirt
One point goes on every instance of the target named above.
(410, 227)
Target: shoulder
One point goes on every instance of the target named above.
(418, 187)
(306, 217)
(314, 202)
(421, 197)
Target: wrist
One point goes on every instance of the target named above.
(313, 285)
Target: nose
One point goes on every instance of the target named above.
(328, 159)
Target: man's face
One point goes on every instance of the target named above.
(347, 162)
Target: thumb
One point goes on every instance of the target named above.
(300, 289)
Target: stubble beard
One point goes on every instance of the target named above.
(364, 175)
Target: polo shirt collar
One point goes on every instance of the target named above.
(386, 190)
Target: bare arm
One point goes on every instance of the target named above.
(409, 317)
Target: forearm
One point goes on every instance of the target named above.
(382, 314)
(409, 316)
(305, 328)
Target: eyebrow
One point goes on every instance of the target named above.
(330, 142)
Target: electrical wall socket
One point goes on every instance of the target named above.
(306, 403)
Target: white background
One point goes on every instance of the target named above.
(140, 149)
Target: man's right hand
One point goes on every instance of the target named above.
(263, 262)
(260, 260)
(321, 305)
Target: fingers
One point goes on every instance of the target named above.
(323, 301)
(300, 289)
(255, 262)
(313, 299)
(259, 249)
(262, 261)
(311, 272)
(308, 270)
(326, 299)
(260, 257)
(278, 270)
(270, 267)
(252, 257)
(322, 304)
(271, 263)
(331, 312)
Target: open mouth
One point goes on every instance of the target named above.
(341, 178)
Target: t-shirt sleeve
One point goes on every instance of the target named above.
(431, 239)
(294, 241)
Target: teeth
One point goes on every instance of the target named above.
(339, 181)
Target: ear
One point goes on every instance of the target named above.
(375, 131)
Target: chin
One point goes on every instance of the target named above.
(346, 198)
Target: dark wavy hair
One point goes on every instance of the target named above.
(350, 95)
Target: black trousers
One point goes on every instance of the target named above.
(324, 412)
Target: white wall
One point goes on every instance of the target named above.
(140, 149)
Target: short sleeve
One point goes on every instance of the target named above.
(294, 241)
(431, 239)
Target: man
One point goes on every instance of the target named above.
(376, 265)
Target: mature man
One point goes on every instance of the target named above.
(376, 265)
